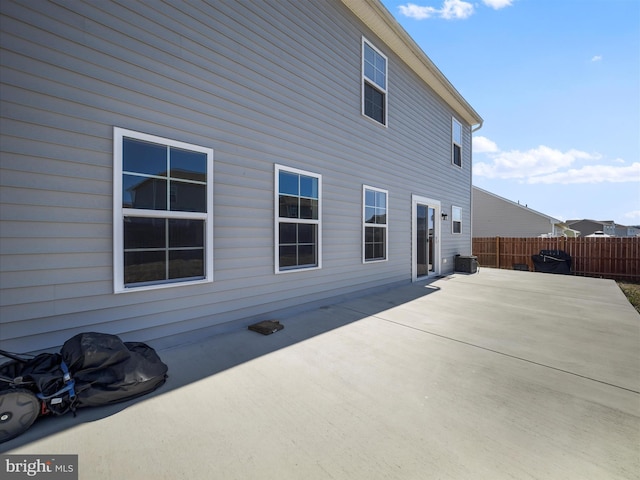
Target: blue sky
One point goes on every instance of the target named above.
(557, 83)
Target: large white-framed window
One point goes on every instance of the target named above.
(298, 225)
(162, 212)
(456, 142)
(375, 207)
(374, 83)
(456, 219)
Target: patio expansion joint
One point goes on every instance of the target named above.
(522, 359)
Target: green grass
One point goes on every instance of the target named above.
(632, 291)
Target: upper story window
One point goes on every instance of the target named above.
(163, 212)
(374, 83)
(456, 220)
(298, 219)
(375, 224)
(456, 142)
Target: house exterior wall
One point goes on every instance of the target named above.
(260, 83)
(626, 231)
(494, 216)
(587, 227)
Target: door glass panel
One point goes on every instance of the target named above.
(425, 240)
(422, 241)
(430, 226)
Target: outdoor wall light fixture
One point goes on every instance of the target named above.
(444, 216)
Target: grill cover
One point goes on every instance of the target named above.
(552, 261)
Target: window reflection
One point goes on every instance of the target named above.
(158, 249)
(375, 213)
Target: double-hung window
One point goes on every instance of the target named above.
(456, 142)
(456, 220)
(374, 83)
(298, 219)
(163, 212)
(374, 210)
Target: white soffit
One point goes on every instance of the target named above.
(382, 23)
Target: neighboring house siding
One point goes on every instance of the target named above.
(494, 216)
(624, 231)
(587, 227)
(261, 83)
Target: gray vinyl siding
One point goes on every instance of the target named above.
(587, 227)
(259, 82)
(494, 216)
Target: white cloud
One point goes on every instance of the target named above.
(537, 161)
(484, 145)
(592, 174)
(497, 4)
(633, 215)
(596, 58)
(415, 11)
(451, 9)
(547, 165)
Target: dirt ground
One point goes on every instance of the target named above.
(632, 291)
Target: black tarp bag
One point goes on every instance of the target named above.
(107, 370)
(45, 375)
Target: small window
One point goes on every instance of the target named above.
(163, 212)
(456, 220)
(374, 83)
(456, 140)
(298, 214)
(374, 209)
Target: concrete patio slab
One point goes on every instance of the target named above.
(501, 374)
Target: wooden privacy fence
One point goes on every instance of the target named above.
(617, 258)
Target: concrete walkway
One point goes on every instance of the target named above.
(501, 374)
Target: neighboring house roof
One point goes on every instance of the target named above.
(494, 215)
(568, 231)
(382, 23)
(587, 227)
(523, 207)
(597, 222)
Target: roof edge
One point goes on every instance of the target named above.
(553, 220)
(375, 15)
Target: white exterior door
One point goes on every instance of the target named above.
(425, 237)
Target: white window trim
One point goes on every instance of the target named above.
(383, 90)
(119, 212)
(455, 122)
(364, 225)
(453, 207)
(276, 215)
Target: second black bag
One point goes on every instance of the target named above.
(107, 370)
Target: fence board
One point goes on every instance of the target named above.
(617, 258)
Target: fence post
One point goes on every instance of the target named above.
(497, 252)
